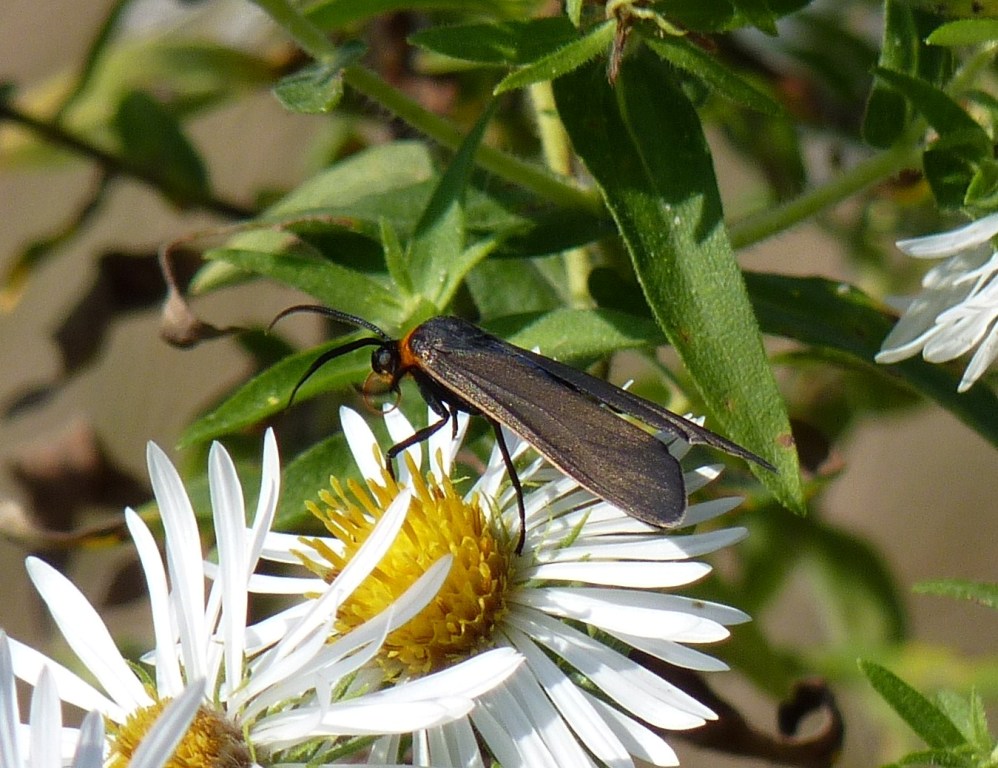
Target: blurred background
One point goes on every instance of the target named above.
(919, 485)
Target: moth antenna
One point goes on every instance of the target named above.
(335, 314)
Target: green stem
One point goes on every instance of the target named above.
(314, 42)
(527, 175)
(311, 39)
(557, 151)
(759, 226)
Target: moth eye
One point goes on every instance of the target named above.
(383, 361)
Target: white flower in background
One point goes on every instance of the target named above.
(44, 743)
(261, 690)
(957, 310)
(587, 588)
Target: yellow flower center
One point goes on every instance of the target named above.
(211, 740)
(459, 622)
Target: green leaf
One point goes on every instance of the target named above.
(965, 32)
(500, 43)
(887, 110)
(966, 713)
(577, 334)
(306, 475)
(153, 139)
(395, 258)
(561, 61)
(330, 283)
(643, 144)
(862, 604)
(573, 9)
(837, 316)
(949, 167)
(945, 758)
(983, 593)
(438, 260)
(921, 715)
(318, 87)
(336, 14)
(268, 393)
(943, 114)
(691, 58)
(366, 175)
(524, 288)
(551, 232)
(982, 192)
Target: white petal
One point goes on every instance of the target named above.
(979, 363)
(87, 635)
(708, 510)
(268, 584)
(363, 444)
(90, 746)
(280, 547)
(266, 506)
(46, 723)
(171, 726)
(444, 444)
(400, 429)
(28, 664)
(229, 517)
(644, 547)
(947, 243)
(960, 330)
(312, 663)
(356, 716)
(700, 477)
(642, 575)
(647, 614)
(355, 571)
(469, 679)
(168, 677)
(510, 735)
(184, 559)
(918, 325)
(672, 652)
(421, 592)
(547, 720)
(636, 689)
(588, 725)
(299, 667)
(10, 717)
(461, 742)
(267, 632)
(640, 740)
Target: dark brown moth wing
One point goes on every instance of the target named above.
(614, 459)
(653, 415)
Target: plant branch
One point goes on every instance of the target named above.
(527, 175)
(772, 221)
(114, 165)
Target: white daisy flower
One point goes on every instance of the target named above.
(958, 309)
(43, 743)
(262, 690)
(586, 588)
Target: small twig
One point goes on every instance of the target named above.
(113, 165)
(731, 732)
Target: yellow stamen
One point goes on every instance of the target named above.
(211, 740)
(459, 622)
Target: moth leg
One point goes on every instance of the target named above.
(419, 436)
(515, 480)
